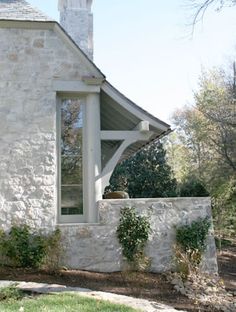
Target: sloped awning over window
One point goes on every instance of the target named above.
(120, 114)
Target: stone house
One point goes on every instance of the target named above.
(63, 130)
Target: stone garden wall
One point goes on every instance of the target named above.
(95, 247)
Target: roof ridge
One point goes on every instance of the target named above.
(21, 10)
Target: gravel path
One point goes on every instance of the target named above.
(141, 304)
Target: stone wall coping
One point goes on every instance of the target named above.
(122, 200)
(78, 224)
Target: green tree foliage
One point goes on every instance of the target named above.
(208, 129)
(224, 207)
(178, 155)
(200, 158)
(145, 175)
(206, 133)
(192, 187)
(216, 101)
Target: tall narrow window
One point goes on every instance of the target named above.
(71, 159)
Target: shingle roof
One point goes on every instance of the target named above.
(20, 10)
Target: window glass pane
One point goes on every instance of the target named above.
(71, 157)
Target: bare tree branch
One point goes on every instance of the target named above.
(201, 10)
(202, 6)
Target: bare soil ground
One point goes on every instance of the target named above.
(227, 267)
(143, 285)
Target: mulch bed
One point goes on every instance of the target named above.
(143, 285)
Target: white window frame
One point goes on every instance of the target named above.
(61, 219)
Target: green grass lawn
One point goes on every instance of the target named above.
(60, 303)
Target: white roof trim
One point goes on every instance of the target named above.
(74, 86)
(26, 24)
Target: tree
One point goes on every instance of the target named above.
(224, 207)
(186, 158)
(197, 159)
(201, 7)
(192, 187)
(208, 131)
(216, 101)
(144, 175)
(178, 155)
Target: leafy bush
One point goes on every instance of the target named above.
(192, 187)
(10, 293)
(22, 247)
(191, 243)
(132, 233)
(193, 236)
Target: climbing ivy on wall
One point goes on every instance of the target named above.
(132, 232)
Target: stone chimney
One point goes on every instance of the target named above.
(77, 19)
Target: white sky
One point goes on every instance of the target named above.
(145, 49)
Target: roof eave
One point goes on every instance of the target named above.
(134, 108)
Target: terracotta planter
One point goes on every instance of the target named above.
(116, 195)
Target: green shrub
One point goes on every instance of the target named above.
(11, 293)
(132, 232)
(192, 187)
(192, 238)
(22, 247)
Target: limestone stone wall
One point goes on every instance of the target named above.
(29, 61)
(95, 247)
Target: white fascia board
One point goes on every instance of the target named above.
(66, 86)
(7, 23)
(134, 109)
(132, 135)
(93, 81)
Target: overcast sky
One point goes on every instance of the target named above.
(145, 48)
